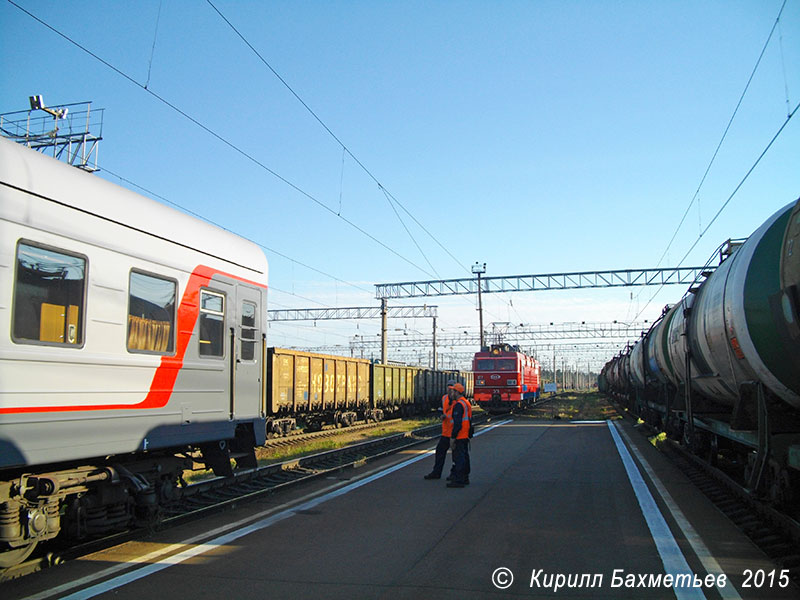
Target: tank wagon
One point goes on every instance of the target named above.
(132, 344)
(505, 378)
(720, 369)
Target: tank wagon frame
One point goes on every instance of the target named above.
(720, 370)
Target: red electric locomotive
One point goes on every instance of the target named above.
(505, 378)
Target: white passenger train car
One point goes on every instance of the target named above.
(128, 330)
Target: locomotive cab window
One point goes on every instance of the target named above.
(497, 364)
(212, 323)
(249, 331)
(151, 314)
(49, 296)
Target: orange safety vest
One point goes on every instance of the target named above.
(463, 433)
(447, 417)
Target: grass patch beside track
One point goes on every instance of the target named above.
(575, 406)
(277, 454)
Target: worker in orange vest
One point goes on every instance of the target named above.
(461, 419)
(444, 440)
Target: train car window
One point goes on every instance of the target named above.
(49, 296)
(151, 314)
(485, 365)
(212, 323)
(249, 333)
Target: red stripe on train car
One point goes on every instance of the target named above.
(166, 374)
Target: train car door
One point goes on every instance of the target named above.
(246, 393)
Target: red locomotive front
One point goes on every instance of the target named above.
(505, 378)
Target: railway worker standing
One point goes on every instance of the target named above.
(461, 419)
(444, 440)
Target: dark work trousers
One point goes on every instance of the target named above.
(461, 461)
(441, 454)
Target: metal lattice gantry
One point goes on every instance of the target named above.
(401, 351)
(362, 312)
(550, 281)
(69, 132)
(532, 335)
(355, 312)
(595, 352)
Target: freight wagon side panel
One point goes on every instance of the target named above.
(419, 386)
(341, 384)
(395, 397)
(403, 387)
(352, 384)
(315, 382)
(378, 386)
(281, 381)
(301, 383)
(363, 384)
(329, 382)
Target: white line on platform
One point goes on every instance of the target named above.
(201, 548)
(671, 556)
(690, 533)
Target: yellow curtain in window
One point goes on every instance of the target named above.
(148, 334)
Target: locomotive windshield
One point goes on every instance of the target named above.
(496, 364)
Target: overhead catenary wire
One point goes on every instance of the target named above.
(695, 197)
(246, 155)
(339, 142)
(727, 201)
(219, 137)
(399, 218)
(725, 133)
(153, 49)
(266, 248)
(752, 168)
(210, 221)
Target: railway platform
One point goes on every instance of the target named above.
(554, 509)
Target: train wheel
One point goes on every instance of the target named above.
(9, 558)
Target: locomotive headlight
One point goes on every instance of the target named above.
(511, 382)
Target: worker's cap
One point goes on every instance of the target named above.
(451, 382)
(459, 388)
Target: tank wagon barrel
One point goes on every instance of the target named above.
(720, 369)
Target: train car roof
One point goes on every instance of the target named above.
(31, 171)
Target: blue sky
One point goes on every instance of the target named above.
(534, 136)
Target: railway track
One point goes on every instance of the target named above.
(300, 438)
(775, 533)
(219, 494)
